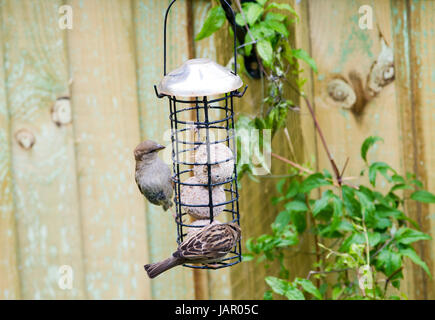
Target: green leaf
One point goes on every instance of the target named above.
(423, 196)
(275, 16)
(367, 144)
(213, 22)
(247, 257)
(240, 20)
(365, 200)
(280, 185)
(282, 219)
(407, 235)
(337, 292)
(299, 220)
(248, 49)
(284, 288)
(296, 206)
(313, 181)
(264, 49)
(303, 55)
(282, 6)
(262, 2)
(253, 12)
(389, 261)
(323, 202)
(374, 238)
(376, 167)
(278, 27)
(268, 295)
(309, 287)
(293, 189)
(250, 245)
(411, 254)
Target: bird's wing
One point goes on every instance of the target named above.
(212, 242)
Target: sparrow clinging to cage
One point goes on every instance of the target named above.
(209, 245)
(153, 176)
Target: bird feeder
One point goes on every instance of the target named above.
(201, 95)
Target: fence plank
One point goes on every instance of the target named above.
(154, 119)
(44, 174)
(349, 53)
(101, 50)
(413, 27)
(9, 280)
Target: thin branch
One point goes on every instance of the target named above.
(389, 279)
(320, 132)
(294, 164)
(326, 272)
(383, 246)
(344, 167)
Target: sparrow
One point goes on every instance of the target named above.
(153, 176)
(209, 245)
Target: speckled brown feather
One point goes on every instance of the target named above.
(209, 245)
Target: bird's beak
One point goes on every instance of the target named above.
(159, 147)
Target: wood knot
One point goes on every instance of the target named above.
(61, 111)
(342, 93)
(25, 138)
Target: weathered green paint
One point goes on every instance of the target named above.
(154, 119)
(9, 280)
(44, 177)
(106, 128)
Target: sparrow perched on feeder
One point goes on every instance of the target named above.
(153, 176)
(209, 245)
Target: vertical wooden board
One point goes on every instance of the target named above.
(44, 174)
(349, 52)
(303, 41)
(423, 31)
(9, 280)
(413, 30)
(154, 120)
(104, 96)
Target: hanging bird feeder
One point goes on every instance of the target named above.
(201, 94)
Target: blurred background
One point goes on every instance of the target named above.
(74, 103)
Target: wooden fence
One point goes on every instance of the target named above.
(74, 104)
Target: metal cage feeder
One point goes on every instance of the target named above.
(201, 94)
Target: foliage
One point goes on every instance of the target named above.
(268, 27)
(363, 235)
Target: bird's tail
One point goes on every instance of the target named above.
(154, 269)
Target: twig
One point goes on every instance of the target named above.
(320, 132)
(383, 246)
(344, 168)
(297, 166)
(326, 272)
(389, 279)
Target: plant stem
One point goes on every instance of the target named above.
(294, 164)
(316, 240)
(320, 132)
(326, 272)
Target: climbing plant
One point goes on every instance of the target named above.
(267, 28)
(362, 235)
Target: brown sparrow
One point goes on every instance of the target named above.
(209, 245)
(153, 176)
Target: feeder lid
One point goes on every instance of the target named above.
(199, 77)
